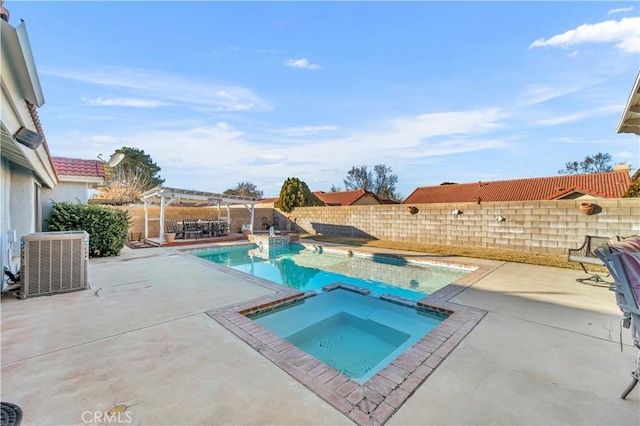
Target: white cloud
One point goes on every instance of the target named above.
(305, 130)
(573, 54)
(215, 158)
(577, 116)
(301, 63)
(625, 33)
(270, 158)
(127, 102)
(103, 140)
(624, 155)
(620, 10)
(170, 88)
(536, 94)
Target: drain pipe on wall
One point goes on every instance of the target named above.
(10, 280)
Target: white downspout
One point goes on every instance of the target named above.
(146, 221)
(162, 220)
(253, 214)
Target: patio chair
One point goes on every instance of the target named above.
(585, 255)
(208, 227)
(223, 227)
(622, 259)
(171, 227)
(191, 227)
(265, 223)
(276, 223)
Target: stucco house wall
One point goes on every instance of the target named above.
(75, 192)
(24, 169)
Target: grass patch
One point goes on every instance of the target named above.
(478, 253)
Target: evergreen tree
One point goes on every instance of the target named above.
(295, 193)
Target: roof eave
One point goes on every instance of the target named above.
(15, 45)
(630, 120)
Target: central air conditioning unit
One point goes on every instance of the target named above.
(54, 262)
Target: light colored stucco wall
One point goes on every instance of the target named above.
(19, 209)
(5, 185)
(366, 200)
(73, 192)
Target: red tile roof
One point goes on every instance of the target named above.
(602, 185)
(36, 120)
(78, 167)
(268, 200)
(343, 198)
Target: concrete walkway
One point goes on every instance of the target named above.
(548, 352)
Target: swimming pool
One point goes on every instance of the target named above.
(305, 269)
(357, 335)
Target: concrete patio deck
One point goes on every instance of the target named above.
(547, 352)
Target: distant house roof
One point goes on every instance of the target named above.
(601, 185)
(79, 170)
(344, 198)
(270, 200)
(341, 198)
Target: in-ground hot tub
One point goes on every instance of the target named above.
(356, 334)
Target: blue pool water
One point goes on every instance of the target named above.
(305, 269)
(355, 334)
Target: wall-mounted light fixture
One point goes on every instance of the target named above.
(456, 212)
(28, 138)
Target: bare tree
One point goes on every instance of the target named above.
(244, 189)
(381, 182)
(358, 178)
(592, 164)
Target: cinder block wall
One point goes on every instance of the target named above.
(239, 216)
(546, 227)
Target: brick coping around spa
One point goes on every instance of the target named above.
(382, 395)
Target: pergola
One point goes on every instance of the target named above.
(166, 196)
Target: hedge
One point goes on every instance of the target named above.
(107, 227)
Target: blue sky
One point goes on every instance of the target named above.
(226, 92)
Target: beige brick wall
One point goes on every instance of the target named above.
(547, 227)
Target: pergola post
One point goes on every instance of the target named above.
(161, 220)
(253, 214)
(146, 221)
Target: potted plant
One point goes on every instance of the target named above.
(170, 237)
(587, 208)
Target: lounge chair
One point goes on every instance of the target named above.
(622, 259)
(585, 255)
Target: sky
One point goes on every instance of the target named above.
(219, 93)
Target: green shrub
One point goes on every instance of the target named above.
(107, 227)
(295, 193)
(634, 188)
